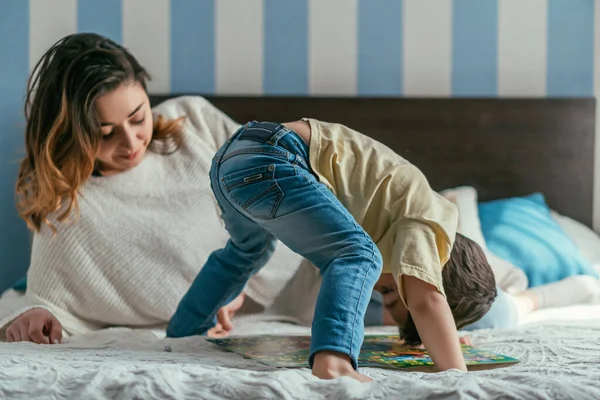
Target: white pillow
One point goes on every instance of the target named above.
(586, 240)
(465, 199)
(510, 278)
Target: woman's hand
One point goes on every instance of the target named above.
(37, 325)
(224, 324)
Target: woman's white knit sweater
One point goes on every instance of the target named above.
(142, 236)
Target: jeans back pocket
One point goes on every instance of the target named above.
(256, 191)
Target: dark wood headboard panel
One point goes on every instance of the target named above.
(502, 147)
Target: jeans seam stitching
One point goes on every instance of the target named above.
(278, 201)
(260, 196)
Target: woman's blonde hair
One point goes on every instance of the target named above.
(63, 135)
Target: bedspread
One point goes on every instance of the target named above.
(560, 359)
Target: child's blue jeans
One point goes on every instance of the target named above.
(263, 183)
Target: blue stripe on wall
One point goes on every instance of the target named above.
(285, 70)
(102, 17)
(475, 48)
(193, 46)
(380, 47)
(14, 64)
(570, 70)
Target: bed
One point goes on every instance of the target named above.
(501, 147)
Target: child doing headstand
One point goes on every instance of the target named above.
(366, 217)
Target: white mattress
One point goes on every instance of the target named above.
(559, 352)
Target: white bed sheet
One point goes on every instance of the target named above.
(559, 352)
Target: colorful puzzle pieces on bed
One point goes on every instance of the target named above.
(383, 351)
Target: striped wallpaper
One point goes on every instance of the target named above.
(303, 47)
(332, 47)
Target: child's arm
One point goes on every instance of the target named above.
(435, 323)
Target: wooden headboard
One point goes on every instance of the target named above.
(502, 147)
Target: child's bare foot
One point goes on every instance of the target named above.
(331, 365)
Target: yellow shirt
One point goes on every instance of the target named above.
(413, 226)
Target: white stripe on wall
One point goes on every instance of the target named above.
(427, 42)
(597, 94)
(239, 47)
(49, 21)
(333, 43)
(522, 48)
(146, 35)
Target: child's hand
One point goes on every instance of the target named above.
(217, 332)
(37, 325)
(435, 324)
(466, 340)
(331, 365)
(224, 325)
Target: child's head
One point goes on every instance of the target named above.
(86, 108)
(469, 284)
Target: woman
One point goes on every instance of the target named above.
(118, 198)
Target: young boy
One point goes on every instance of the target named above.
(355, 209)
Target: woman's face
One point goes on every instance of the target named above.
(126, 124)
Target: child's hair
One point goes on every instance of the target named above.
(63, 135)
(469, 284)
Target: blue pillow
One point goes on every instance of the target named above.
(521, 230)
